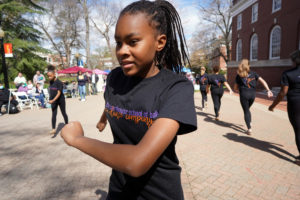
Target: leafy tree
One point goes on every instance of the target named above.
(16, 21)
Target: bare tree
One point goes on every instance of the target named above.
(217, 13)
(86, 10)
(62, 26)
(107, 15)
(201, 46)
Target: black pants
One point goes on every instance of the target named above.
(293, 107)
(62, 106)
(247, 98)
(204, 97)
(216, 95)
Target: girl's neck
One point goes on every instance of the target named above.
(152, 71)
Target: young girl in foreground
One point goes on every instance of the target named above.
(147, 106)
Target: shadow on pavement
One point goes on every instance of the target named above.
(211, 118)
(59, 127)
(102, 193)
(265, 146)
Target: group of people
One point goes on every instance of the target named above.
(33, 90)
(246, 82)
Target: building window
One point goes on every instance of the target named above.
(239, 50)
(239, 21)
(253, 47)
(275, 41)
(254, 12)
(276, 5)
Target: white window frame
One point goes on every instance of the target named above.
(239, 22)
(239, 42)
(273, 5)
(254, 17)
(271, 44)
(251, 47)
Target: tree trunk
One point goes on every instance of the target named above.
(87, 33)
(113, 59)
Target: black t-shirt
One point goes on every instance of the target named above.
(203, 81)
(291, 78)
(132, 104)
(248, 82)
(216, 81)
(54, 87)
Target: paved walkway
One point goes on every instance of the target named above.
(219, 161)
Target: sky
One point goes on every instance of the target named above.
(187, 9)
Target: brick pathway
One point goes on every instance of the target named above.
(219, 161)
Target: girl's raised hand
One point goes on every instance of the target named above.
(71, 132)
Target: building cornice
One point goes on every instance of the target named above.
(241, 6)
(264, 63)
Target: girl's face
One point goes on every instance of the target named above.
(51, 76)
(137, 43)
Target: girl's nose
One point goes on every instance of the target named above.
(123, 50)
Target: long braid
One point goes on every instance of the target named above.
(166, 20)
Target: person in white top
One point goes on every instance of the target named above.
(29, 87)
(19, 80)
(39, 78)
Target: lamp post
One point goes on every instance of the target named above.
(77, 59)
(4, 69)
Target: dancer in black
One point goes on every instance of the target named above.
(216, 82)
(245, 84)
(57, 97)
(290, 86)
(203, 80)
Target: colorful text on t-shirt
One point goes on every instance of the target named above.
(136, 116)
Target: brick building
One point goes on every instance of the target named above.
(265, 32)
(216, 59)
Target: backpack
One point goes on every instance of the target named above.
(12, 109)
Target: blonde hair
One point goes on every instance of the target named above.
(243, 68)
(202, 70)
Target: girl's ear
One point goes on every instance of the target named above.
(161, 42)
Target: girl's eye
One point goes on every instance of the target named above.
(133, 42)
(118, 44)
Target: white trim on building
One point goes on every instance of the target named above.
(241, 6)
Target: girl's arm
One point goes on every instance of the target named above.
(264, 83)
(134, 160)
(207, 88)
(102, 122)
(56, 97)
(228, 87)
(280, 96)
(236, 88)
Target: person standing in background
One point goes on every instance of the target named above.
(95, 79)
(39, 78)
(81, 79)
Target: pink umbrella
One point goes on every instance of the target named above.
(98, 71)
(74, 70)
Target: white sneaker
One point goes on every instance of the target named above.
(83, 100)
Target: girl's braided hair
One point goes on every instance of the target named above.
(164, 17)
